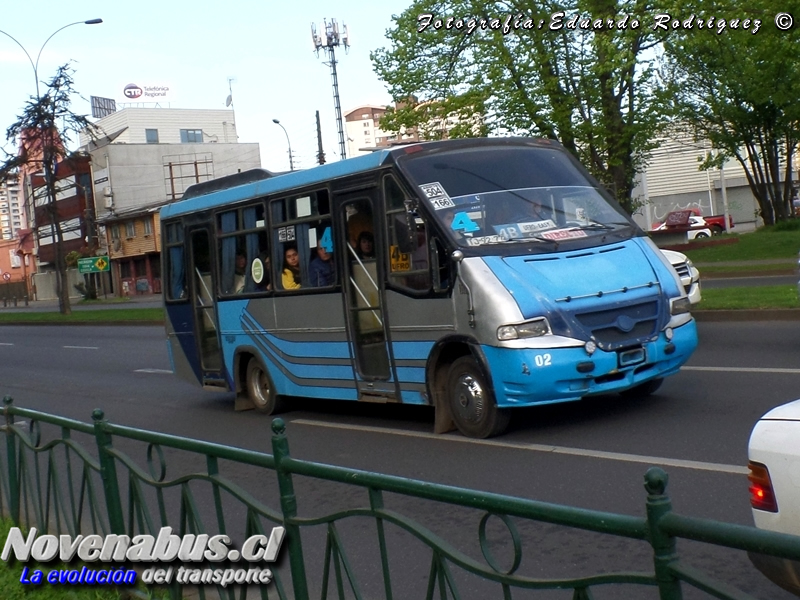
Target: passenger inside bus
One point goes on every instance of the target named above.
(366, 245)
(321, 270)
(239, 273)
(290, 276)
(266, 280)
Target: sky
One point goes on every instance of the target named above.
(264, 47)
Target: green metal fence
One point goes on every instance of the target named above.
(71, 484)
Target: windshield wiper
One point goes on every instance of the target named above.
(592, 227)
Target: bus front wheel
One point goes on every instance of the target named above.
(472, 402)
(260, 389)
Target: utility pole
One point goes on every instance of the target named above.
(328, 41)
(320, 151)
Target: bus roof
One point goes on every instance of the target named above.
(261, 183)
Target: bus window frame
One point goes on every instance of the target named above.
(314, 220)
(181, 226)
(430, 233)
(220, 235)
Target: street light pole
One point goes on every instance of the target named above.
(35, 65)
(291, 162)
(63, 296)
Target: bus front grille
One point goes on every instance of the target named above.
(621, 326)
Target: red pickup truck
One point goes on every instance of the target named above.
(716, 223)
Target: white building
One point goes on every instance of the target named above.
(363, 131)
(148, 157)
(12, 212)
(362, 128)
(168, 126)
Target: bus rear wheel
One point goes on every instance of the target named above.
(260, 389)
(472, 402)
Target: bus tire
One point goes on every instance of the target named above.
(643, 389)
(260, 389)
(472, 402)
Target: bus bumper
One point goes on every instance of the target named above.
(526, 377)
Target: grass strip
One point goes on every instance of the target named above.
(766, 243)
(768, 269)
(104, 315)
(756, 297)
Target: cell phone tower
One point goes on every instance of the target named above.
(328, 39)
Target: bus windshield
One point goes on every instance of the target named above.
(484, 196)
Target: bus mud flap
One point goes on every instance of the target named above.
(442, 416)
(243, 402)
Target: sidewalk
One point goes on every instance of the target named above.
(136, 301)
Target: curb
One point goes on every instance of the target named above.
(80, 323)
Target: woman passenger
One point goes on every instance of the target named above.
(290, 276)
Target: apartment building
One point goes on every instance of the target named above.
(12, 209)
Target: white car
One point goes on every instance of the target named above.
(699, 228)
(774, 454)
(690, 276)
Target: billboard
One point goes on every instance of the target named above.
(102, 107)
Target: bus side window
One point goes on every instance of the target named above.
(176, 268)
(302, 241)
(407, 240)
(243, 242)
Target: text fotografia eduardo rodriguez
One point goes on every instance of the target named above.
(560, 21)
(166, 547)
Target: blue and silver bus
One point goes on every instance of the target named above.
(476, 276)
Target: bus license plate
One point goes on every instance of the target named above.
(631, 357)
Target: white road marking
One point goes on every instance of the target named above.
(6, 344)
(619, 456)
(743, 370)
(167, 371)
(82, 347)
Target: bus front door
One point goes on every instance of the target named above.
(205, 315)
(366, 322)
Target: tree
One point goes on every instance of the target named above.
(45, 123)
(739, 90)
(572, 71)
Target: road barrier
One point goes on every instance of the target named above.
(64, 486)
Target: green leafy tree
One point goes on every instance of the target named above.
(534, 67)
(740, 91)
(46, 121)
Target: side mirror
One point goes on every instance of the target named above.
(441, 268)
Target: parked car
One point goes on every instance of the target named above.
(774, 453)
(696, 227)
(690, 276)
(716, 223)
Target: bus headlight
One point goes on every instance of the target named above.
(679, 306)
(529, 329)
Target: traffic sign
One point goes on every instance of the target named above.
(93, 264)
(6, 276)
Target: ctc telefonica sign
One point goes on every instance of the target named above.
(147, 93)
